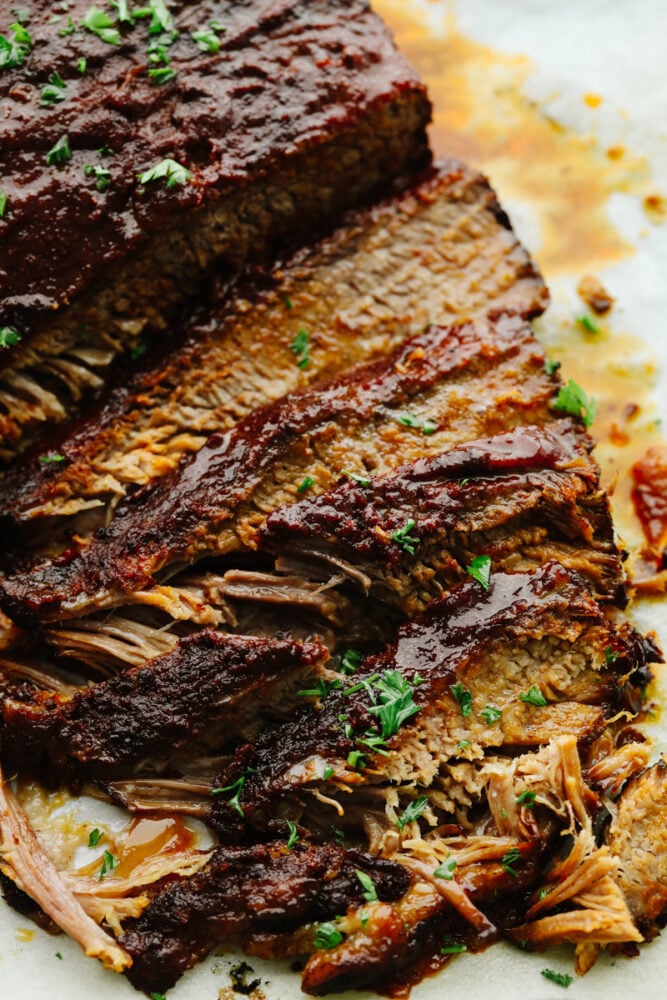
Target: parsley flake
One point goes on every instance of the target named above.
(3, 204)
(588, 324)
(533, 696)
(350, 661)
(327, 936)
(463, 744)
(157, 996)
(81, 65)
(305, 485)
(102, 175)
(509, 859)
(9, 336)
(293, 835)
(446, 869)
(551, 366)
(412, 812)
(356, 759)
(463, 696)
(160, 75)
(491, 714)
(94, 837)
(328, 772)
(58, 955)
(207, 39)
(526, 799)
(610, 655)
(480, 570)
(13, 51)
(560, 978)
(287, 301)
(300, 346)
(170, 170)
(236, 787)
(408, 420)
(99, 23)
(429, 427)
(403, 537)
(125, 15)
(359, 480)
(161, 19)
(574, 400)
(374, 742)
(368, 885)
(54, 91)
(396, 702)
(60, 153)
(52, 459)
(69, 30)
(109, 865)
(338, 835)
(452, 947)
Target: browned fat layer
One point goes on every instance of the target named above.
(535, 485)
(441, 250)
(215, 500)
(246, 894)
(210, 691)
(326, 66)
(455, 641)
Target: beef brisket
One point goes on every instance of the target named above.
(441, 250)
(243, 122)
(469, 379)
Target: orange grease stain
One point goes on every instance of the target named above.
(146, 837)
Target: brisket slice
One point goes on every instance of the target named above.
(244, 895)
(209, 692)
(441, 250)
(539, 631)
(520, 498)
(306, 109)
(470, 379)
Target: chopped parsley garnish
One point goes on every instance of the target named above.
(99, 23)
(321, 691)
(125, 15)
(560, 978)
(157, 996)
(94, 837)
(403, 537)
(588, 324)
(544, 892)
(58, 955)
(429, 427)
(480, 570)
(293, 835)
(81, 65)
(139, 351)
(350, 661)
(327, 936)
(207, 39)
(396, 702)
(9, 336)
(359, 480)
(13, 51)
(533, 696)
(169, 170)
(610, 655)
(412, 812)
(338, 835)
(374, 742)
(409, 420)
(52, 459)
(69, 30)
(551, 366)
(3, 204)
(463, 696)
(300, 346)
(491, 714)
(356, 759)
(452, 947)
(368, 885)
(526, 799)
(363, 919)
(574, 400)
(109, 864)
(102, 175)
(328, 772)
(60, 153)
(446, 869)
(161, 19)
(305, 484)
(463, 744)
(160, 75)
(54, 91)
(510, 858)
(236, 787)
(288, 302)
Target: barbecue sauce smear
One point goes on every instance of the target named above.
(564, 180)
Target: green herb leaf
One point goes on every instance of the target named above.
(551, 366)
(463, 744)
(99, 23)
(94, 837)
(305, 485)
(396, 702)
(412, 812)
(169, 170)
(109, 865)
(54, 91)
(560, 978)
(510, 858)
(463, 696)
(374, 742)
(588, 324)
(360, 480)
(403, 537)
(367, 883)
(526, 799)
(533, 696)
(363, 919)
(3, 204)
(52, 459)
(293, 835)
(9, 336)
(321, 691)
(157, 996)
(102, 175)
(236, 787)
(300, 346)
(125, 15)
(81, 65)
(446, 869)
(544, 892)
(356, 760)
(338, 835)
(60, 153)
(429, 427)
(69, 30)
(288, 302)
(206, 39)
(161, 19)
(408, 420)
(350, 661)
(327, 936)
(14, 50)
(574, 400)
(610, 655)
(328, 772)
(452, 947)
(160, 75)
(491, 714)
(58, 955)
(480, 570)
